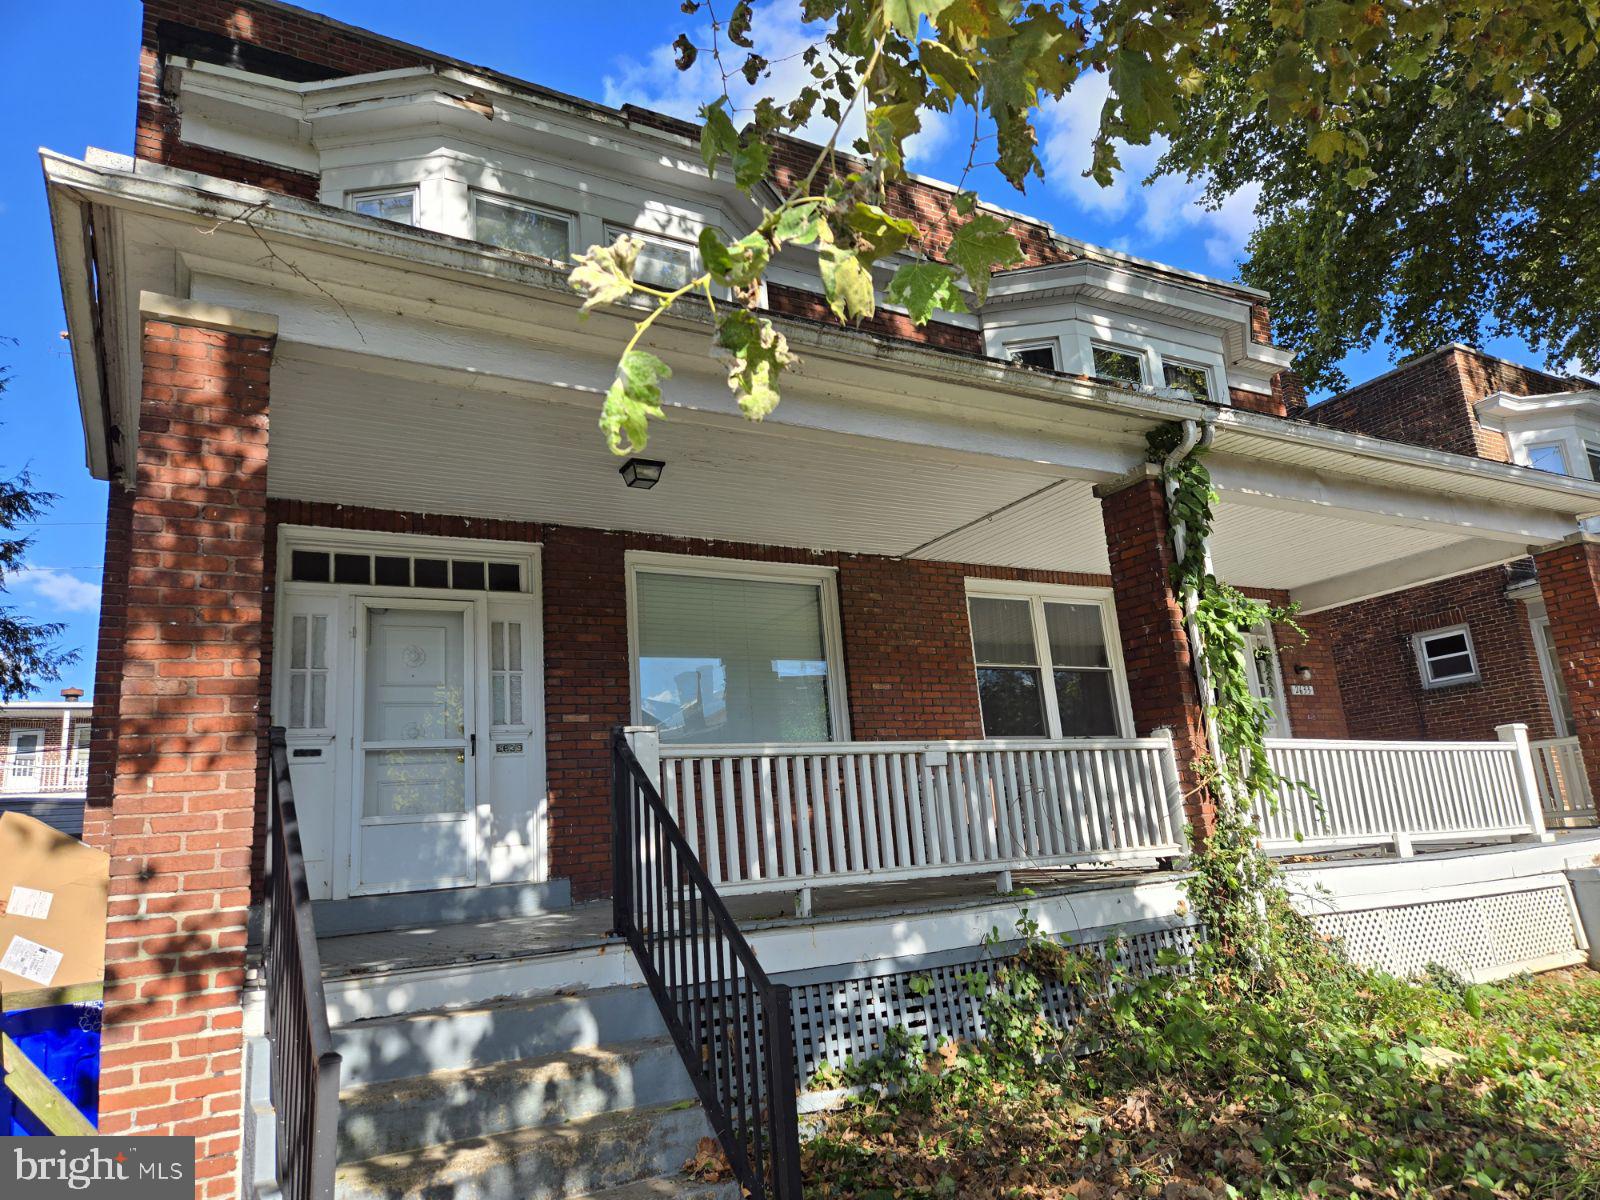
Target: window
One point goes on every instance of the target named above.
(505, 671)
(727, 653)
(401, 570)
(1548, 456)
(1114, 362)
(662, 263)
(1446, 656)
(308, 671)
(1593, 455)
(1044, 663)
(1555, 682)
(1187, 377)
(399, 205)
(515, 226)
(1033, 354)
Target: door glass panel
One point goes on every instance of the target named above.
(415, 693)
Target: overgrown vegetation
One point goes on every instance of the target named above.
(1333, 1082)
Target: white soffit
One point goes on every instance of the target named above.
(1263, 547)
(1057, 529)
(348, 437)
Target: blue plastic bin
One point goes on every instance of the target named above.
(63, 1041)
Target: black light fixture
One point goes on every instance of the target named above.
(1302, 672)
(642, 472)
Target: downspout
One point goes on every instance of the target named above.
(1197, 435)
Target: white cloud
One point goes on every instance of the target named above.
(654, 82)
(60, 588)
(1161, 211)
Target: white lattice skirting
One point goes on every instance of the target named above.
(1477, 937)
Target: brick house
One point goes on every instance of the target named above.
(44, 758)
(327, 355)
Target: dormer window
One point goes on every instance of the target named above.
(1548, 456)
(1592, 453)
(1033, 354)
(526, 228)
(1187, 377)
(1117, 362)
(662, 263)
(393, 204)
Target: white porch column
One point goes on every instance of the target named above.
(1527, 782)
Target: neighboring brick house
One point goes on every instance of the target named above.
(327, 356)
(44, 758)
(1435, 400)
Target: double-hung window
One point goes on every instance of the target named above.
(513, 225)
(1118, 362)
(1047, 663)
(390, 204)
(1187, 377)
(1446, 656)
(1033, 354)
(732, 652)
(662, 262)
(1548, 456)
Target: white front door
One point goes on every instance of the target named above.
(22, 762)
(416, 821)
(1266, 679)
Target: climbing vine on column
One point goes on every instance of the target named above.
(1236, 891)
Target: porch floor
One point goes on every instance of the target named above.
(588, 925)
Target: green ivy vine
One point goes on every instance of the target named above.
(1236, 890)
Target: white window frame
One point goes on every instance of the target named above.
(1419, 643)
(1591, 459)
(1139, 352)
(14, 778)
(1205, 373)
(1559, 447)
(825, 579)
(615, 229)
(570, 219)
(413, 191)
(1549, 672)
(1050, 344)
(1038, 594)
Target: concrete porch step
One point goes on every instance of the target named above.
(448, 1106)
(381, 1049)
(598, 1154)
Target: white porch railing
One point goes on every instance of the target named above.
(1340, 794)
(1564, 791)
(789, 817)
(43, 772)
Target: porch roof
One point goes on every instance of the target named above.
(469, 362)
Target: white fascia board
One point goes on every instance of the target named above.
(843, 354)
(1501, 411)
(1254, 435)
(69, 217)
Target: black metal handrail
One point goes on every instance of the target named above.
(730, 1022)
(305, 1066)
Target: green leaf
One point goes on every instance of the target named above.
(980, 245)
(738, 265)
(800, 224)
(951, 73)
(750, 163)
(906, 15)
(717, 134)
(633, 398)
(881, 234)
(1360, 177)
(757, 355)
(846, 282)
(604, 274)
(924, 288)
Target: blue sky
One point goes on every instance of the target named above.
(613, 52)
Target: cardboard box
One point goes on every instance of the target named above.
(52, 916)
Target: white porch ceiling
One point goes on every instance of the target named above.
(347, 437)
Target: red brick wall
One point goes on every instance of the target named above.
(180, 816)
(156, 134)
(797, 302)
(1271, 405)
(1155, 644)
(1428, 401)
(1383, 692)
(1569, 576)
(1321, 714)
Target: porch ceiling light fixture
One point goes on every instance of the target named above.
(642, 472)
(1302, 672)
